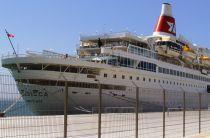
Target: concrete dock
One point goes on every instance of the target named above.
(114, 125)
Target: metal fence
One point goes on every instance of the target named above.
(134, 112)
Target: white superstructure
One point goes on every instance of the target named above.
(119, 62)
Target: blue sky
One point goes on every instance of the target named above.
(56, 24)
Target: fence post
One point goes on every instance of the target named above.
(164, 115)
(99, 110)
(137, 112)
(65, 109)
(199, 112)
(184, 108)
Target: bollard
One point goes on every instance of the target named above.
(65, 109)
(184, 108)
(137, 111)
(99, 110)
(164, 117)
(199, 98)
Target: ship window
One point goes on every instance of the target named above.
(180, 74)
(164, 70)
(177, 73)
(144, 65)
(114, 76)
(171, 71)
(87, 93)
(123, 76)
(149, 80)
(74, 92)
(191, 76)
(183, 74)
(137, 78)
(130, 77)
(163, 81)
(144, 79)
(174, 72)
(159, 81)
(154, 80)
(160, 70)
(105, 75)
(167, 71)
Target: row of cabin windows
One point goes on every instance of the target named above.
(70, 84)
(182, 74)
(127, 62)
(147, 66)
(159, 81)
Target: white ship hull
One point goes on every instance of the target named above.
(45, 100)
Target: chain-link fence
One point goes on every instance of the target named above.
(70, 110)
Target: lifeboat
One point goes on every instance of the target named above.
(205, 60)
(168, 48)
(188, 53)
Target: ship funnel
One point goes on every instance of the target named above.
(166, 23)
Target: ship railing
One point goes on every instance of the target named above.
(45, 54)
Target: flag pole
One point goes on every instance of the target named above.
(10, 42)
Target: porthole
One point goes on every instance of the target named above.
(87, 92)
(74, 92)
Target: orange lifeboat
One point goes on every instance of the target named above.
(204, 60)
(188, 53)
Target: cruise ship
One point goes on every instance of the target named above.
(118, 62)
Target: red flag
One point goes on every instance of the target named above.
(10, 35)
